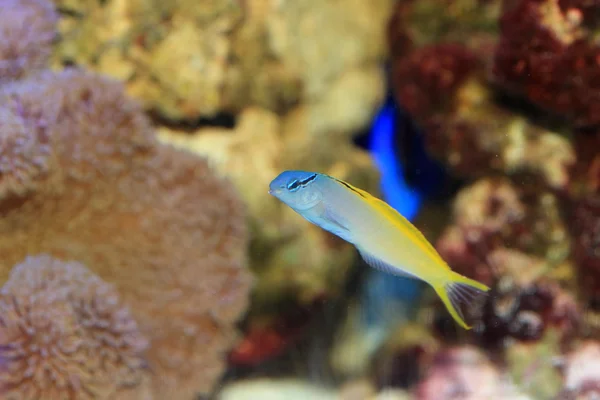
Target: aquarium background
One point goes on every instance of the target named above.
(143, 258)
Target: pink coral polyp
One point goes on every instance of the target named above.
(155, 222)
(24, 158)
(64, 333)
(27, 29)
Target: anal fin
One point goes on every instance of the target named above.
(381, 265)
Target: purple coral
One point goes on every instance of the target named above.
(25, 158)
(83, 178)
(154, 221)
(27, 28)
(65, 333)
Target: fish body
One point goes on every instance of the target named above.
(384, 238)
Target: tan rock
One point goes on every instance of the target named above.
(187, 59)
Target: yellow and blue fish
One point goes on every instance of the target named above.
(384, 238)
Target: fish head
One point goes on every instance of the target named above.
(298, 189)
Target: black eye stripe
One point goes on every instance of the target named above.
(308, 180)
(293, 185)
(296, 184)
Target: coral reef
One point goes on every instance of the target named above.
(402, 360)
(143, 244)
(546, 54)
(584, 214)
(495, 214)
(27, 28)
(83, 178)
(296, 263)
(155, 222)
(444, 89)
(585, 226)
(506, 98)
(533, 366)
(584, 175)
(515, 240)
(527, 310)
(267, 68)
(64, 333)
(186, 60)
(414, 359)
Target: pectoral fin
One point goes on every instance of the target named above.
(334, 224)
(383, 266)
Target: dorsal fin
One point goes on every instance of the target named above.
(402, 223)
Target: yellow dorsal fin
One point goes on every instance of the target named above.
(397, 219)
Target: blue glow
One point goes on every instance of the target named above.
(396, 192)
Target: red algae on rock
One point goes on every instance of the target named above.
(426, 80)
(494, 214)
(527, 311)
(155, 222)
(514, 112)
(512, 238)
(585, 225)
(444, 88)
(546, 55)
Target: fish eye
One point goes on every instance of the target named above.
(293, 185)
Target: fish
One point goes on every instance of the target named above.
(383, 237)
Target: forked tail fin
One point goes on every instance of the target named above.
(459, 289)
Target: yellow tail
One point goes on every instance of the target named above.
(458, 289)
